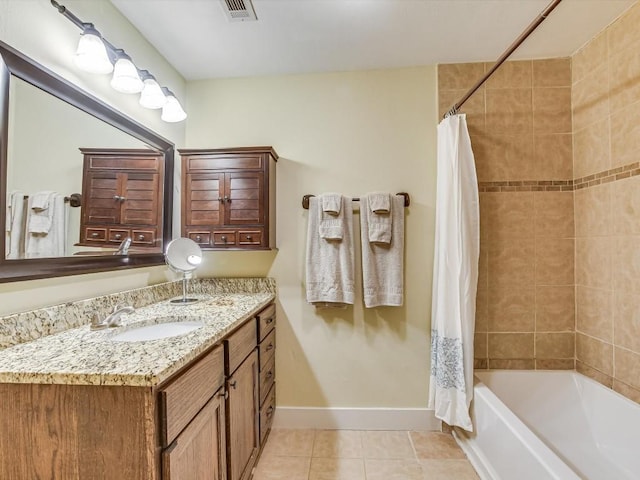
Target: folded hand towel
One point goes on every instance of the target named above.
(330, 264)
(331, 203)
(53, 242)
(332, 219)
(14, 246)
(379, 222)
(40, 212)
(379, 202)
(382, 265)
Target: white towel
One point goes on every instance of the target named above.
(379, 217)
(332, 220)
(52, 243)
(330, 263)
(40, 212)
(14, 245)
(383, 265)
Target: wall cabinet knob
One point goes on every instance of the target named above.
(249, 237)
(94, 235)
(198, 238)
(223, 238)
(140, 237)
(227, 199)
(118, 236)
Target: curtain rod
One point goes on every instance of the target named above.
(519, 41)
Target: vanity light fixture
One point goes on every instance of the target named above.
(91, 55)
(97, 55)
(172, 111)
(125, 74)
(152, 95)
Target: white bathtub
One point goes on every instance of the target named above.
(561, 425)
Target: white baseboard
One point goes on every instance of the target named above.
(356, 418)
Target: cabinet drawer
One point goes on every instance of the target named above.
(96, 234)
(267, 349)
(224, 238)
(249, 237)
(183, 398)
(224, 161)
(201, 238)
(240, 344)
(267, 411)
(117, 235)
(266, 321)
(267, 377)
(143, 237)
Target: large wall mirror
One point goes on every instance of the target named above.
(57, 143)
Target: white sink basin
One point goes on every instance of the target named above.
(157, 331)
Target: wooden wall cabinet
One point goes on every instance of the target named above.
(208, 422)
(122, 197)
(228, 197)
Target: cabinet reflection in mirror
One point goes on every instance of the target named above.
(59, 142)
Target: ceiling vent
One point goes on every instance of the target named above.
(239, 10)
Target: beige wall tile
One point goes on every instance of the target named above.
(593, 211)
(555, 364)
(593, 262)
(389, 444)
(474, 108)
(553, 217)
(512, 364)
(627, 367)
(626, 320)
(390, 469)
(555, 345)
(510, 215)
(554, 261)
(448, 470)
(625, 206)
(459, 75)
(555, 309)
(511, 308)
(594, 312)
(626, 261)
(590, 372)
(480, 363)
(337, 469)
(625, 135)
(482, 308)
(624, 68)
(591, 153)
(509, 111)
(590, 98)
(511, 262)
(435, 445)
(338, 444)
(589, 57)
(595, 353)
(552, 110)
(503, 157)
(625, 32)
(553, 156)
(627, 391)
(513, 74)
(552, 72)
(480, 345)
(510, 346)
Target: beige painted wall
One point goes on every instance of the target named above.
(352, 132)
(38, 30)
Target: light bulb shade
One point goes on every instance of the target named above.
(172, 111)
(152, 95)
(91, 55)
(125, 76)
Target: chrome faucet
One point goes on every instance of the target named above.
(111, 320)
(123, 249)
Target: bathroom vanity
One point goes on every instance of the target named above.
(86, 404)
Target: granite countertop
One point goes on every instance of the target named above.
(84, 357)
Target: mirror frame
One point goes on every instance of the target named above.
(13, 62)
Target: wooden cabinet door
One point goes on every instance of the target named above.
(199, 452)
(102, 191)
(243, 418)
(202, 197)
(244, 198)
(139, 199)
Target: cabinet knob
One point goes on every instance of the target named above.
(221, 199)
(269, 374)
(140, 237)
(233, 384)
(249, 237)
(270, 347)
(223, 238)
(270, 320)
(227, 199)
(94, 235)
(198, 238)
(118, 236)
(269, 411)
(118, 198)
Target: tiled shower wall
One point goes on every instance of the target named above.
(520, 127)
(557, 147)
(606, 116)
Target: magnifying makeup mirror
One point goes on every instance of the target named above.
(183, 256)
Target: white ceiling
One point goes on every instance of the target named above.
(297, 36)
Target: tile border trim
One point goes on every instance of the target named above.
(605, 176)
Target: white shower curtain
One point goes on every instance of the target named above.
(455, 275)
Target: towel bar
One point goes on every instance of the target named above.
(305, 200)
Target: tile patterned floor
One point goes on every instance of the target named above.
(359, 455)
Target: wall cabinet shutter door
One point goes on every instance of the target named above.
(203, 194)
(244, 205)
